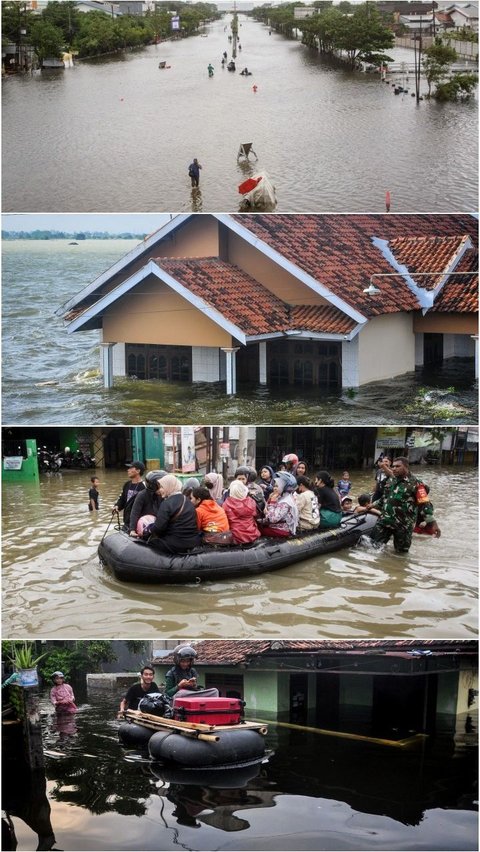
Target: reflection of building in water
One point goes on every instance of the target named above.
(384, 689)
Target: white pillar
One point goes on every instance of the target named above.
(230, 353)
(106, 350)
(262, 362)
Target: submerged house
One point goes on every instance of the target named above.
(315, 300)
(390, 689)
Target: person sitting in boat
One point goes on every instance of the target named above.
(281, 513)
(265, 480)
(363, 501)
(182, 679)
(241, 511)
(300, 469)
(61, 695)
(347, 505)
(189, 485)
(248, 475)
(214, 482)
(328, 500)
(135, 693)
(307, 505)
(246, 72)
(231, 66)
(211, 517)
(290, 462)
(147, 501)
(175, 527)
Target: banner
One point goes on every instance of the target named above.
(175, 23)
(188, 449)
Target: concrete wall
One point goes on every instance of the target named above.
(419, 350)
(458, 346)
(205, 364)
(386, 348)
(350, 363)
(440, 323)
(267, 272)
(119, 365)
(153, 313)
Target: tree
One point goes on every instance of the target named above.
(436, 62)
(64, 15)
(362, 34)
(459, 87)
(47, 40)
(15, 16)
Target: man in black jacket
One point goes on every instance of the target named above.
(133, 485)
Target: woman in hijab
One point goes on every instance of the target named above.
(214, 482)
(241, 511)
(175, 528)
(265, 480)
(281, 513)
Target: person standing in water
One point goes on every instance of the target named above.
(194, 172)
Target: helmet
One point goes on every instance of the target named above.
(152, 477)
(184, 652)
(290, 458)
(143, 523)
(57, 674)
(290, 483)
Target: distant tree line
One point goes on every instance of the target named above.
(61, 27)
(63, 235)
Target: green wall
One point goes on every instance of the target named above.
(29, 469)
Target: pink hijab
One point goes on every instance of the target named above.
(216, 479)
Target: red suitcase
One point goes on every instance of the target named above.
(210, 711)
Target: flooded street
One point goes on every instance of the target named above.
(70, 363)
(54, 586)
(128, 148)
(316, 792)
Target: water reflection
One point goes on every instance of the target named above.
(315, 792)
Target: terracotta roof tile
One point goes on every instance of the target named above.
(427, 254)
(245, 302)
(338, 250)
(235, 652)
(460, 293)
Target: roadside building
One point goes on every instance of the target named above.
(394, 689)
(314, 300)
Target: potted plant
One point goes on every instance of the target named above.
(26, 664)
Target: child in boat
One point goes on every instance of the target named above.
(61, 695)
(210, 516)
(241, 511)
(265, 480)
(363, 501)
(281, 513)
(347, 505)
(307, 505)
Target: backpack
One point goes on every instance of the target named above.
(191, 172)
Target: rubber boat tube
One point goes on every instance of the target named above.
(134, 561)
(233, 747)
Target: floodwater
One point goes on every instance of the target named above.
(117, 133)
(42, 351)
(54, 586)
(316, 792)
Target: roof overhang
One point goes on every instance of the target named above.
(305, 335)
(151, 268)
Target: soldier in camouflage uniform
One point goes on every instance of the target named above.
(398, 507)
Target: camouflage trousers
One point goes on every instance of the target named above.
(402, 535)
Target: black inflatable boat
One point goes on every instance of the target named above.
(134, 561)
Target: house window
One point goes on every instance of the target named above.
(304, 363)
(150, 361)
(228, 685)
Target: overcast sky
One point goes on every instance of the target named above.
(114, 223)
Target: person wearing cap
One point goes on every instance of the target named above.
(347, 505)
(132, 486)
(61, 695)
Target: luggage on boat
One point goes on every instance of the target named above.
(210, 711)
(156, 703)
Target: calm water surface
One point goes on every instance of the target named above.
(117, 134)
(39, 276)
(316, 793)
(54, 586)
